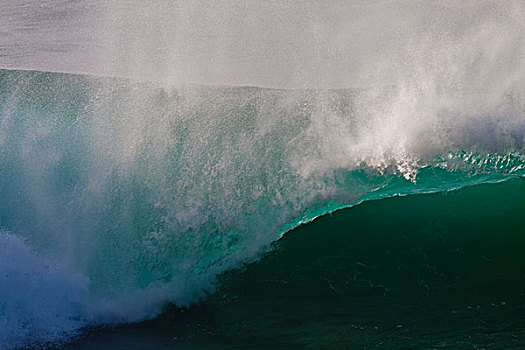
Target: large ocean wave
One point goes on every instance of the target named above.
(120, 196)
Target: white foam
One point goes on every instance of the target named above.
(43, 303)
(40, 301)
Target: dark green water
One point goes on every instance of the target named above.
(432, 271)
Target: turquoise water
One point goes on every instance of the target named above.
(124, 202)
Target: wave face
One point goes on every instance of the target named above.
(126, 195)
(428, 271)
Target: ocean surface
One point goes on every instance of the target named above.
(172, 179)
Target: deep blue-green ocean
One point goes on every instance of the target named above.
(266, 175)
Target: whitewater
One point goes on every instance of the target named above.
(145, 151)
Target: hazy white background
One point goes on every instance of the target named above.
(284, 43)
